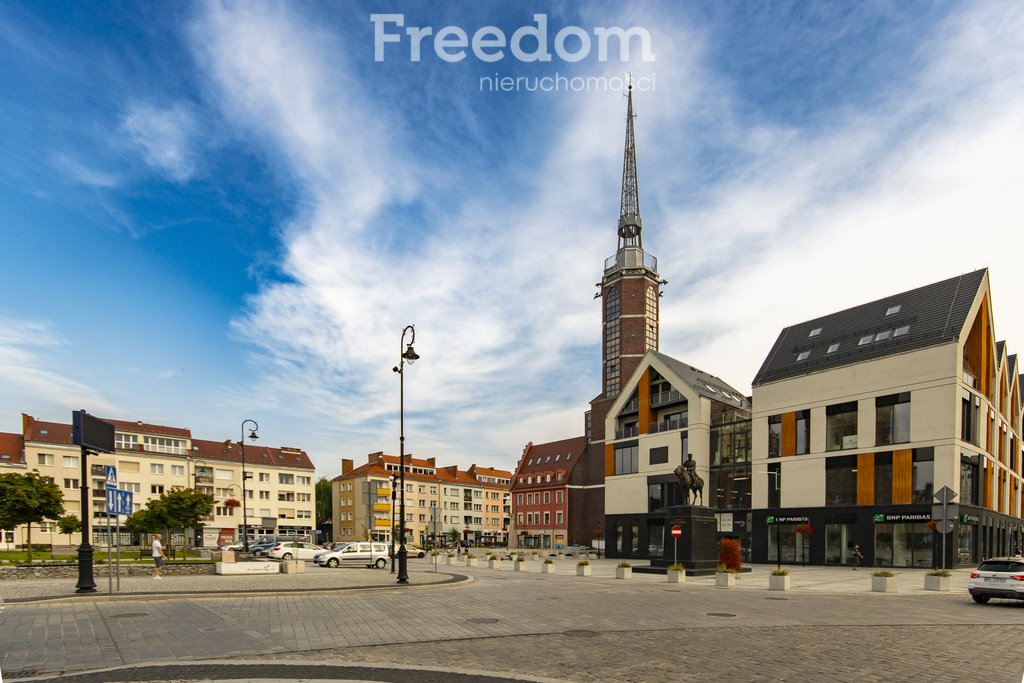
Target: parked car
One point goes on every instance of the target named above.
(361, 552)
(231, 546)
(998, 577)
(297, 550)
(410, 550)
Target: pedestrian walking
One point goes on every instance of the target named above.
(158, 556)
(857, 557)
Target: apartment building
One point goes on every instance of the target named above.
(440, 502)
(152, 459)
(541, 495)
(861, 416)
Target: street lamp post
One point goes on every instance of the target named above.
(195, 487)
(394, 496)
(410, 355)
(245, 477)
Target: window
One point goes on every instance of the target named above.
(558, 518)
(547, 518)
(159, 444)
(264, 476)
(924, 475)
(156, 489)
(803, 431)
(612, 379)
(558, 496)
(130, 486)
(815, 332)
(730, 442)
(156, 468)
(893, 310)
(900, 331)
(658, 456)
(866, 339)
(285, 479)
(71, 483)
(226, 475)
(832, 348)
(775, 485)
(306, 514)
(45, 459)
(651, 336)
(729, 487)
(547, 496)
(303, 480)
(841, 426)
(883, 478)
(803, 355)
(774, 436)
(70, 461)
(178, 470)
(612, 306)
(264, 495)
(892, 419)
(126, 442)
(519, 499)
(968, 480)
(970, 419)
(627, 459)
(841, 480)
(883, 335)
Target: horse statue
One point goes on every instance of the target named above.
(690, 481)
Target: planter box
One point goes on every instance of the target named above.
(293, 567)
(725, 579)
(547, 569)
(471, 561)
(883, 584)
(623, 572)
(936, 583)
(225, 568)
(583, 571)
(492, 564)
(778, 583)
(518, 566)
(450, 559)
(676, 577)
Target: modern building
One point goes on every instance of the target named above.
(442, 504)
(152, 459)
(542, 497)
(861, 417)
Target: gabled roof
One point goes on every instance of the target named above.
(1000, 347)
(550, 457)
(926, 316)
(703, 383)
(256, 455)
(45, 432)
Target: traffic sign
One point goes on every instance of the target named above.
(111, 476)
(677, 531)
(945, 512)
(119, 502)
(944, 526)
(945, 495)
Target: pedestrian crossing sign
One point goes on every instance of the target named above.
(111, 475)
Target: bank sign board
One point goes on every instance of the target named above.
(787, 519)
(902, 517)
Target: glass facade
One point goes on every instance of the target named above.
(655, 537)
(841, 480)
(839, 543)
(774, 436)
(903, 544)
(841, 426)
(924, 475)
(892, 419)
(729, 488)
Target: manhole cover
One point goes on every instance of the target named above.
(129, 615)
(581, 634)
(720, 614)
(483, 620)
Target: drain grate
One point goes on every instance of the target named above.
(721, 614)
(483, 620)
(581, 634)
(129, 615)
(24, 673)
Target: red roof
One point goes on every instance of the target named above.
(543, 458)
(255, 454)
(141, 427)
(12, 448)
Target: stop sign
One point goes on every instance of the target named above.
(677, 531)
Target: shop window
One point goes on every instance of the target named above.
(618, 537)
(841, 426)
(841, 480)
(656, 538)
(636, 539)
(892, 419)
(903, 545)
(839, 543)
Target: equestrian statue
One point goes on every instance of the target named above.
(690, 481)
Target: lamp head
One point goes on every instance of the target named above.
(410, 354)
(252, 435)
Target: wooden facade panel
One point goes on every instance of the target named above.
(866, 479)
(902, 477)
(609, 460)
(644, 401)
(789, 434)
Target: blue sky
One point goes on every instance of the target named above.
(220, 211)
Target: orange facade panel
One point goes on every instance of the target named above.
(609, 460)
(644, 401)
(866, 479)
(902, 477)
(788, 445)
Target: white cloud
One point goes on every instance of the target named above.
(166, 137)
(31, 367)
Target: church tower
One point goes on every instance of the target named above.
(630, 287)
(629, 291)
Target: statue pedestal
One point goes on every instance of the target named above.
(697, 548)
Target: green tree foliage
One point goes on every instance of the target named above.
(28, 499)
(323, 502)
(69, 524)
(178, 509)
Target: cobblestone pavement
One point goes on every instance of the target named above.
(560, 627)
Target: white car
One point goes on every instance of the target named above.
(232, 546)
(998, 577)
(365, 553)
(294, 550)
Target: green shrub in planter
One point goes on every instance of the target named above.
(546, 561)
(624, 565)
(780, 572)
(882, 572)
(582, 563)
(676, 568)
(940, 572)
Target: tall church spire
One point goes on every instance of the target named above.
(629, 213)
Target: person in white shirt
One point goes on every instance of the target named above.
(158, 556)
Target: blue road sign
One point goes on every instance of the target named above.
(111, 475)
(119, 502)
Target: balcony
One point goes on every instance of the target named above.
(669, 425)
(630, 257)
(665, 398)
(204, 479)
(627, 432)
(382, 507)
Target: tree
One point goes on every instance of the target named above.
(69, 524)
(27, 498)
(324, 502)
(178, 509)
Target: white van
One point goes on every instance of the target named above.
(360, 552)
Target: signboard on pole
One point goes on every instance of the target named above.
(119, 502)
(677, 531)
(110, 474)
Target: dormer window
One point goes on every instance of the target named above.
(803, 355)
(815, 332)
(866, 339)
(900, 331)
(893, 310)
(832, 348)
(883, 335)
